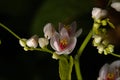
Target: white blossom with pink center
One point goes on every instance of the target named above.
(110, 71)
(64, 41)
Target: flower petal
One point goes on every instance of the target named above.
(73, 27)
(98, 13)
(115, 64)
(64, 32)
(69, 48)
(78, 33)
(54, 41)
(48, 30)
(116, 6)
(32, 42)
(115, 68)
(60, 26)
(103, 72)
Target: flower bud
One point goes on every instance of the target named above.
(48, 30)
(55, 56)
(98, 13)
(22, 42)
(32, 42)
(100, 49)
(43, 42)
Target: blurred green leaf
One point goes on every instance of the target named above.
(55, 11)
(15, 7)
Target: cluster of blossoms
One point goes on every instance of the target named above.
(33, 42)
(63, 42)
(100, 31)
(101, 28)
(110, 71)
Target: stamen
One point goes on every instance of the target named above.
(63, 43)
(110, 76)
(67, 27)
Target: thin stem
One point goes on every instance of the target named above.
(70, 67)
(6, 28)
(115, 55)
(77, 69)
(112, 26)
(84, 45)
(39, 49)
(76, 60)
(47, 50)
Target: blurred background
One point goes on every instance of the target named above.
(28, 17)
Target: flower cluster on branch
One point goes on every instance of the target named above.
(104, 33)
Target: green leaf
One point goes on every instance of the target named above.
(65, 67)
(55, 11)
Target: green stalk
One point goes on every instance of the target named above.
(76, 61)
(6, 28)
(77, 69)
(115, 55)
(82, 47)
(40, 49)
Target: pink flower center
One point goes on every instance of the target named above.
(63, 43)
(110, 76)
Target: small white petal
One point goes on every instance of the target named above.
(103, 72)
(98, 39)
(32, 42)
(54, 41)
(78, 33)
(48, 30)
(99, 78)
(100, 48)
(98, 13)
(63, 32)
(118, 78)
(115, 64)
(43, 42)
(116, 6)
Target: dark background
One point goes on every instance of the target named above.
(28, 17)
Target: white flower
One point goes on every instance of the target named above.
(100, 49)
(48, 30)
(43, 42)
(98, 13)
(103, 72)
(116, 6)
(98, 39)
(110, 71)
(32, 42)
(65, 41)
